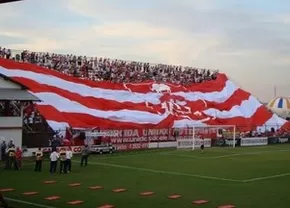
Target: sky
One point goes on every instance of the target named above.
(248, 40)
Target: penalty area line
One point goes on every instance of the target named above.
(104, 157)
(27, 203)
(164, 172)
(266, 177)
(223, 156)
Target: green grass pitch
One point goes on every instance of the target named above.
(253, 177)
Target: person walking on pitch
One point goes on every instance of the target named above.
(202, 145)
(85, 155)
(53, 161)
(38, 161)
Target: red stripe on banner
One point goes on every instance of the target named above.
(90, 102)
(260, 117)
(78, 120)
(110, 105)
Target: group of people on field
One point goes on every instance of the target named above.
(13, 158)
(63, 156)
(11, 155)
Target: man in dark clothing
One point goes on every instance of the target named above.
(11, 144)
(85, 155)
(3, 202)
(3, 150)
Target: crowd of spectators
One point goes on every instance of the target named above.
(100, 69)
(114, 70)
(31, 116)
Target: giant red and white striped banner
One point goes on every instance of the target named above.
(78, 103)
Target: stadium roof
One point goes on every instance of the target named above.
(17, 94)
(11, 80)
(8, 1)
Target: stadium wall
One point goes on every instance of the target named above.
(14, 133)
(11, 128)
(243, 142)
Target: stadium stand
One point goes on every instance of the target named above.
(105, 69)
(98, 69)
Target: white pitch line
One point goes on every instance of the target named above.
(188, 156)
(223, 156)
(127, 155)
(27, 203)
(248, 153)
(165, 172)
(240, 154)
(266, 177)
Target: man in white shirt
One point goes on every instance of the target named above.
(53, 160)
(69, 155)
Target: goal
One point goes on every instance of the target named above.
(217, 135)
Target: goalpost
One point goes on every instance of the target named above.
(213, 135)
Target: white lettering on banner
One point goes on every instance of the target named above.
(141, 139)
(99, 134)
(124, 133)
(155, 132)
(230, 142)
(187, 143)
(75, 149)
(128, 147)
(138, 133)
(256, 141)
(283, 140)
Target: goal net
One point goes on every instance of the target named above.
(218, 135)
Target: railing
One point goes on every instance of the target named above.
(16, 109)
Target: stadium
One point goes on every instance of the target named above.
(144, 125)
